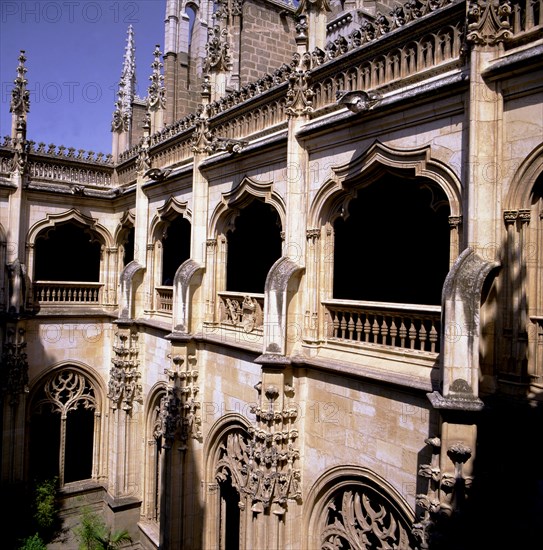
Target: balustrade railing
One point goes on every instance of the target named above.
(164, 298)
(526, 16)
(407, 326)
(67, 292)
(241, 310)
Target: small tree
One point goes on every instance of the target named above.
(35, 542)
(93, 534)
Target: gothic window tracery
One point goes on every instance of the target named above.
(358, 510)
(62, 427)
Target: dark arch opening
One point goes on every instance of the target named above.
(67, 252)
(393, 246)
(79, 443)
(128, 245)
(44, 444)
(230, 515)
(175, 248)
(253, 247)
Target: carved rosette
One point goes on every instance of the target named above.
(299, 93)
(20, 96)
(14, 368)
(262, 462)
(124, 377)
(156, 98)
(488, 21)
(180, 408)
(217, 56)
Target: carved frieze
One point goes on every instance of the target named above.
(245, 313)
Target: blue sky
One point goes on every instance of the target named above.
(74, 51)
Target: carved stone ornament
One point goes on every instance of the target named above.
(488, 22)
(246, 314)
(124, 377)
(20, 96)
(143, 162)
(261, 470)
(226, 144)
(201, 138)
(156, 98)
(217, 57)
(299, 93)
(359, 517)
(19, 162)
(446, 491)
(180, 408)
(14, 368)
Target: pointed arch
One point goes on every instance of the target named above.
(228, 209)
(127, 220)
(376, 161)
(524, 180)
(166, 213)
(153, 452)
(65, 415)
(75, 216)
(375, 507)
(225, 433)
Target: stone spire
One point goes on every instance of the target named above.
(156, 98)
(20, 97)
(122, 116)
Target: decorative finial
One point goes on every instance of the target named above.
(122, 115)
(156, 98)
(20, 96)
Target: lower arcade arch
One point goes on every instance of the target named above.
(353, 507)
(64, 426)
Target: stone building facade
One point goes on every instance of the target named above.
(299, 304)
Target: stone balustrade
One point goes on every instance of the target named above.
(526, 16)
(67, 292)
(407, 326)
(164, 299)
